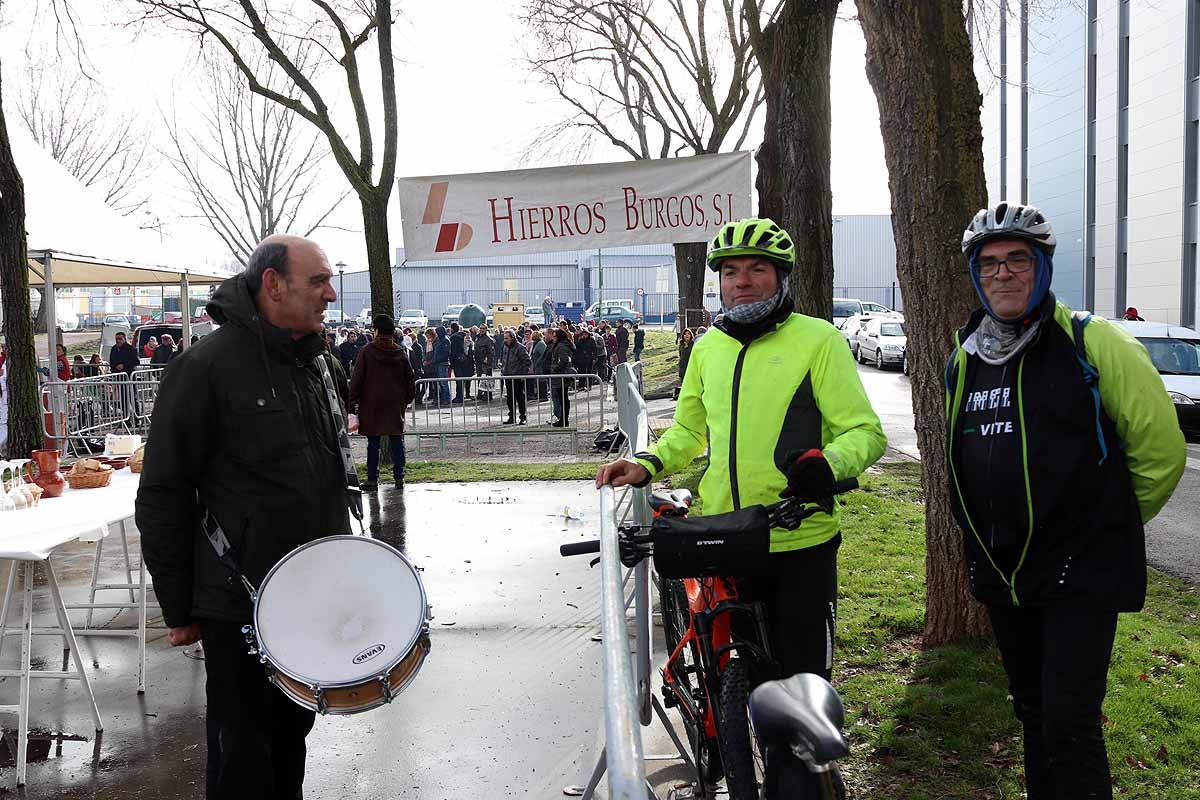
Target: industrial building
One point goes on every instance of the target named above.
(864, 257)
(1090, 113)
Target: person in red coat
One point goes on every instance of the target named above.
(381, 387)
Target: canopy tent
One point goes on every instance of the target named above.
(74, 238)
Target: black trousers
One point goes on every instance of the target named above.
(1057, 663)
(259, 733)
(800, 595)
(516, 392)
(562, 398)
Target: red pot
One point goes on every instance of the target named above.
(48, 477)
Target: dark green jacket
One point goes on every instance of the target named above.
(241, 424)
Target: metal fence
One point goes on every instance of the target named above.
(79, 411)
(467, 416)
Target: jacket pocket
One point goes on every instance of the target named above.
(263, 427)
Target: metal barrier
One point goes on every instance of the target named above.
(627, 688)
(438, 419)
(84, 408)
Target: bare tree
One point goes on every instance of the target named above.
(794, 189)
(249, 168)
(70, 116)
(245, 30)
(920, 65)
(654, 79)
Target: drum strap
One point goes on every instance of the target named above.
(353, 493)
(225, 552)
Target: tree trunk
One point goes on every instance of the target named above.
(24, 422)
(793, 162)
(920, 65)
(691, 260)
(39, 320)
(379, 257)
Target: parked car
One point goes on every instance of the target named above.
(844, 307)
(853, 325)
(590, 312)
(141, 335)
(364, 318)
(334, 316)
(116, 319)
(611, 314)
(451, 313)
(882, 341)
(534, 315)
(1175, 352)
(414, 318)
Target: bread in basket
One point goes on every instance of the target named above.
(88, 473)
(135, 460)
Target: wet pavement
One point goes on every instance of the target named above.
(507, 704)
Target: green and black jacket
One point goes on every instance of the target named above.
(756, 395)
(1101, 452)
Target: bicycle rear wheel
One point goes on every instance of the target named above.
(676, 620)
(739, 750)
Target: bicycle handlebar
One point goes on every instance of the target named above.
(580, 548)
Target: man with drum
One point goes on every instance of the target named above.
(243, 428)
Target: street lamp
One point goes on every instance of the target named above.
(341, 265)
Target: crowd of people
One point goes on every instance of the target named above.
(467, 360)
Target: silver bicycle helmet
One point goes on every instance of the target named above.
(1009, 221)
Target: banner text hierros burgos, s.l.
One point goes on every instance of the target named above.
(573, 208)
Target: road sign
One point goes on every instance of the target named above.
(641, 292)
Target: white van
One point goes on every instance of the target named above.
(1175, 351)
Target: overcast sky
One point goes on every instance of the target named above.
(467, 104)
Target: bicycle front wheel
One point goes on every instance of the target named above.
(676, 620)
(739, 751)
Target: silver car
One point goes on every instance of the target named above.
(882, 341)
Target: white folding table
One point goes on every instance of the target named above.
(28, 537)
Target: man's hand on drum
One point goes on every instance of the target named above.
(621, 472)
(185, 635)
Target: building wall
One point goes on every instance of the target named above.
(1156, 113)
(1057, 60)
(864, 259)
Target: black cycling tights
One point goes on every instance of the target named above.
(1057, 664)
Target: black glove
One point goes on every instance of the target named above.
(809, 476)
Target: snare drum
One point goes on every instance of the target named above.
(341, 624)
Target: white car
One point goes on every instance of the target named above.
(414, 318)
(1175, 352)
(334, 316)
(882, 341)
(534, 315)
(845, 307)
(852, 326)
(364, 318)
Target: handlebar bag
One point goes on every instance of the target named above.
(736, 543)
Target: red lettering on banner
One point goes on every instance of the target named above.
(671, 211)
(563, 223)
(631, 214)
(596, 209)
(548, 221)
(658, 212)
(496, 219)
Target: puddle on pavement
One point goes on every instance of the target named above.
(45, 745)
(494, 500)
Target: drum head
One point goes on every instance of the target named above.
(339, 610)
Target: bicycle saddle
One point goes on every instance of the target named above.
(677, 500)
(802, 711)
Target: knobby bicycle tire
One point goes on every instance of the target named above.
(733, 731)
(676, 619)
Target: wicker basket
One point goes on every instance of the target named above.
(135, 460)
(135, 467)
(89, 480)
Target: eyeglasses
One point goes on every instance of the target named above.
(1017, 263)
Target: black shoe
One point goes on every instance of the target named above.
(508, 421)
(368, 486)
(522, 422)
(400, 482)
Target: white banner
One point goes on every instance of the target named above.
(573, 208)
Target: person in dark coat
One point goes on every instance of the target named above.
(441, 365)
(639, 341)
(686, 341)
(458, 362)
(242, 423)
(485, 363)
(537, 355)
(516, 362)
(622, 337)
(560, 360)
(416, 359)
(164, 352)
(122, 357)
(347, 350)
(382, 386)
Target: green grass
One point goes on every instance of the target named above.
(85, 349)
(660, 362)
(449, 471)
(936, 723)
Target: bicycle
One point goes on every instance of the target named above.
(711, 668)
(799, 721)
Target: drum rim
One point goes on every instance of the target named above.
(422, 629)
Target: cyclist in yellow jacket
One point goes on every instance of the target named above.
(777, 398)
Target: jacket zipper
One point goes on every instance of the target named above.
(733, 420)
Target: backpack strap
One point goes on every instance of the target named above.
(1091, 375)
